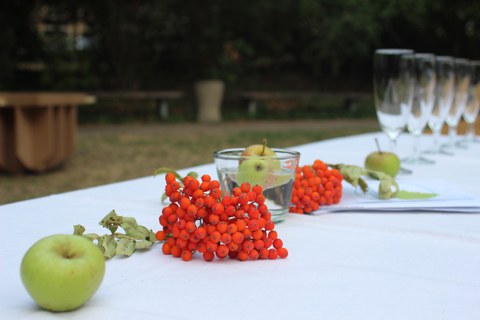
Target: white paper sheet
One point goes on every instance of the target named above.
(449, 198)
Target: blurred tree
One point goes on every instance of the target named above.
(145, 44)
(20, 43)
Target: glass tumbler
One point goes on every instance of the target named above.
(274, 172)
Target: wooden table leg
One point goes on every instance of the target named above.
(35, 139)
(8, 159)
(64, 130)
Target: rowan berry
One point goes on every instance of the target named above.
(258, 244)
(216, 193)
(160, 235)
(166, 248)
(215, 236)
(264, 253)
(222, 251)
(170, 177)
(282, 252)
(253, 255)
(226, 238)
(232, 246)
(212, 246)
(201, 247)
(237, 237)
(273, 234)
(208, 255)
(213, 219)
(242, 256)
(218, 208)
(277, 243)
(232, 228)
(257, 189)
(248, 246)
(176, 251)
(272, 254)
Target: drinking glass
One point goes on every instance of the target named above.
(275, 173)
(444, 90)
(393, 84)
(423, 101)
(462, 84)
(473, 103)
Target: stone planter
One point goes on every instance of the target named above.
(209, 96)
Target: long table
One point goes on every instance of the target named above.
(355, 265)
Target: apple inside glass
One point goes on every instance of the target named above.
(259, 166)
(61, 272)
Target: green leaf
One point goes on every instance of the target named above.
(193, 174)
(78, 229)
(352, 174)
(133, 230)
(126, 247)
(409, 195)
(135, 236)
(108, 245)
(143, 244)
(111, 221)
(164, 170)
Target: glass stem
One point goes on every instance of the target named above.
(393, 145)
(416, 154)
(471, 132)
(436, 140)
(452, 134)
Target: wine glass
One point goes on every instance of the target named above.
(444, 91)
(462, 84)
(473, 103)
(423, 101)
(393, 84)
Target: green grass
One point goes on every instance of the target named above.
(110, 153)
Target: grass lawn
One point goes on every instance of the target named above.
(111, 153)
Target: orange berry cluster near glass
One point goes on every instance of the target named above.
(314, 186)
(200, 219)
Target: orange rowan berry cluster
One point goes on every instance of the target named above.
(315, 186)
(200, 219)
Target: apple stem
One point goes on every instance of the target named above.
(264, 146)
(378, 145)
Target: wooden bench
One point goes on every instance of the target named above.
(161, 98)
(38, 130)
(349, 99)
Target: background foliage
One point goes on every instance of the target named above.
(294, 44)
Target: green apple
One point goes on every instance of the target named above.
(258, 165)
(386, 162)
(256, 171)
(258, 150)
(61, 272)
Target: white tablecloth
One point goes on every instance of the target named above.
(341, 265)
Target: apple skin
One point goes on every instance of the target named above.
(256, 171)
(386, 162)
(258, 150)
(61, 272)
(258, 166)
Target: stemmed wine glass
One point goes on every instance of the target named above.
(423, 101)
(473, 103)
(462, 85)
(444, 90)
(393, 90)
